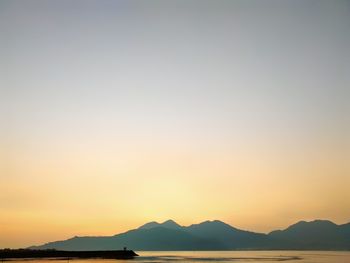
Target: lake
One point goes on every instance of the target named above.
(222, 257)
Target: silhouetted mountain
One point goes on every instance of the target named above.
(157, 238)
(230, 237)
(215, 235)
(318, 234)
(346, 228)
(171, 224)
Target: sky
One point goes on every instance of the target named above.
(116, 113)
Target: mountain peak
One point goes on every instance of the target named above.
(213, 226)
(149, 225)
(169, 221)
(215, 223)
(323, 222)
(303, 226)
(317, 222)
(170, 224)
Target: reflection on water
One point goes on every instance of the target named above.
(219, 256)
(245, 256)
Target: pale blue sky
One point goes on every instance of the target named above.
(176, 64)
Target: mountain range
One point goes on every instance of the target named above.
(215, 235)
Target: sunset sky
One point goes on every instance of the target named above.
(116, 113)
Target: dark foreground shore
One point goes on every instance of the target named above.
(51, 253)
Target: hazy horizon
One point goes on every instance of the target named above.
(172, 224)
(116, 113)
(174, 221)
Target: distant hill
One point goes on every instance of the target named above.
(318, 234)
(229, 237)
(215, 235)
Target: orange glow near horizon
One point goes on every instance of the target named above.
(51, 195)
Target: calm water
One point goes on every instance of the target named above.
(222, 257)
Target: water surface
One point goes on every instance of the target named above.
(219, 256)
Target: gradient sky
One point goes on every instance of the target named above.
(116, 113)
